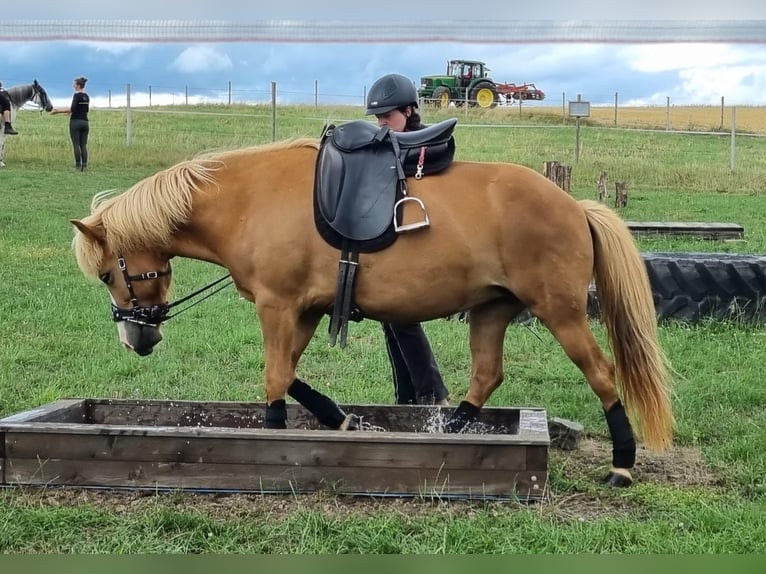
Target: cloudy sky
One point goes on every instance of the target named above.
(727, 57)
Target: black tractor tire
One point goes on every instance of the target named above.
(695, 287)
(692, 287)
(441, 97)
(479, 95)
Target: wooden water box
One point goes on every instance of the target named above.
(221, 446)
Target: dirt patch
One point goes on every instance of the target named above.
(681, 466)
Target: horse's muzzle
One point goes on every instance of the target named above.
(140, 338)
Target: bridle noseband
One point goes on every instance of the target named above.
(38, 96)
(156, 314)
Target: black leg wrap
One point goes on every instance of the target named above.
(276, 415)
(322, 407)
(461, 417)
(623, 442)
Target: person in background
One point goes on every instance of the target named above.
(417, 380)
(79, 127)
(5, 106)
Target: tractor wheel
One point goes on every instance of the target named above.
(694, 287)
(691, 287)
(441, 97)
(484, 95)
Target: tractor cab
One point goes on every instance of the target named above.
(466, 71)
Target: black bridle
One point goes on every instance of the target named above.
(156, 314)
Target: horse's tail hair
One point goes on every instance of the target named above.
(627, 309)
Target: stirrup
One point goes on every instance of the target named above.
(425, 222)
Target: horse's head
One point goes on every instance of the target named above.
(138, 284)
(40, 97)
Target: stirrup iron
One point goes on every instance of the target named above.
(425, 222)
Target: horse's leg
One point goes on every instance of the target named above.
(286, 335)
(2, 146)
(487, 326)
(570, 327)
(321, 406)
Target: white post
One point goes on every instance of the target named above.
(721, 128)
(733, 137)
(465, 103)
(667, 114)
(273, 111)
(564, 106)
(577, 138)
(128, 121)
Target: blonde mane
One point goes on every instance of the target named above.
(146, 215)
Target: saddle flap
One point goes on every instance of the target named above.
(356, 192)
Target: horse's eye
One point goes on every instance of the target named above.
(106, 278)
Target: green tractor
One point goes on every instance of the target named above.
(466, 81)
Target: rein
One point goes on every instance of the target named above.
(156, 314)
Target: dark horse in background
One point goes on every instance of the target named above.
(21, 95)
(502, 238)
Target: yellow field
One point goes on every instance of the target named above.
(751, 119)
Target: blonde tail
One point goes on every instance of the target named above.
(627, 309)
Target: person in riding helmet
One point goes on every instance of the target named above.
(393, 100)
(5, 106)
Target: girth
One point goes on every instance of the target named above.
(360, 181)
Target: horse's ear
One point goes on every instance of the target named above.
(94, 233)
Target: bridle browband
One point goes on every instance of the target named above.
(156, 314)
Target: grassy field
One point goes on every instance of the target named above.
(707, 495)
(747, 119)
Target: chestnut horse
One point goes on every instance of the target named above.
(502, 237)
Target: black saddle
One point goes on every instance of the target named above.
(360, 175)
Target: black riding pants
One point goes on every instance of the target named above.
(78, 132)
(5, 102)
(417, 379)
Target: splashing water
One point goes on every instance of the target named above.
(437, 418)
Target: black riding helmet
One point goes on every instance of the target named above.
(391, 92)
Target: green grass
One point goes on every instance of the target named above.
(58, 341)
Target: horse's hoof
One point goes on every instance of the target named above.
(619, 478)
(455, 425)
(351, 423)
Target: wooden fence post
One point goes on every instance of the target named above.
(559, 174)
(603, 191)
(621, 195)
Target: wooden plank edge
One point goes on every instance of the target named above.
(46, 411)
(75, 429)
(283, 479)
(544, 496)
